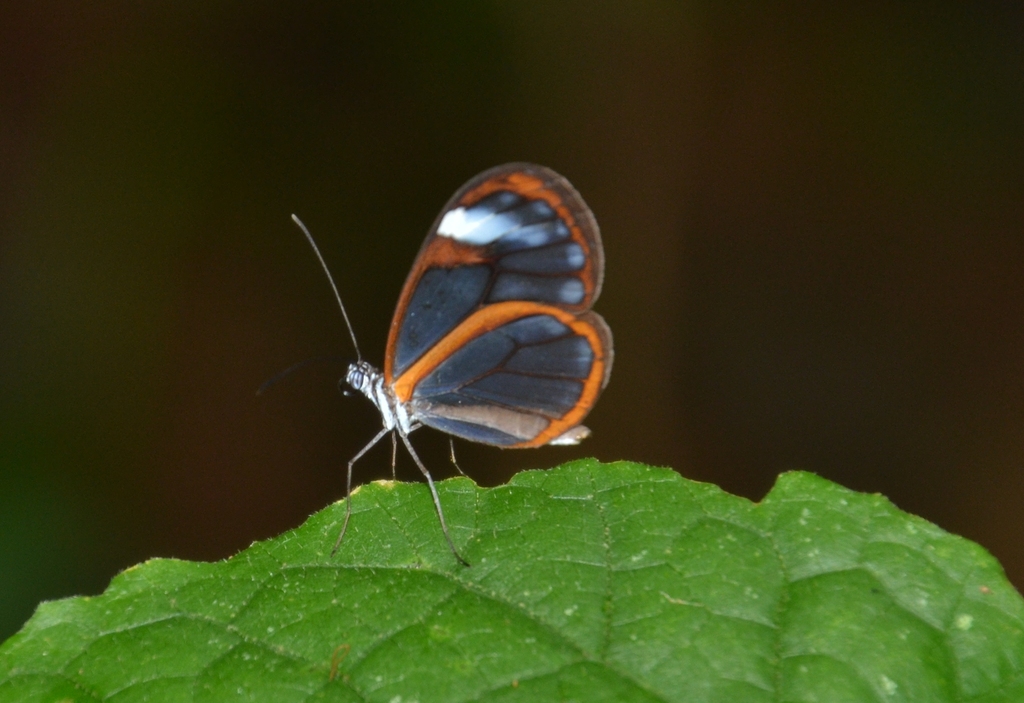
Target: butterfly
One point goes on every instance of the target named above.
(493, 339)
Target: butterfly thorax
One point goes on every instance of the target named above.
(369, 381)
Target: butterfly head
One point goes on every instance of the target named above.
(361, 376)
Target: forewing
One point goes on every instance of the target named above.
(518, 232)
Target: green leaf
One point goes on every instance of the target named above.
(589, 582)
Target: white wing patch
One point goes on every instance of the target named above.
(453, 224)
(462, 226)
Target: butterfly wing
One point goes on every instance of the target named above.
(493, 339)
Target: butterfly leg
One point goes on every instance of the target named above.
(348, 485)
(451, 447)
(437, 500)
(394, 455)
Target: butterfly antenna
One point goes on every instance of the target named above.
(293, 368)
(330, 279)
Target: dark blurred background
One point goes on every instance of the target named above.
(813, 219)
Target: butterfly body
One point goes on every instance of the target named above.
(369, 381)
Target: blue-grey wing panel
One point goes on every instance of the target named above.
(472, 431)
(443, 298)
(569, 357)
(556, 290)
(558, 258)
(551, 397)
(536, 235)
(535, 329)
(475, 360)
